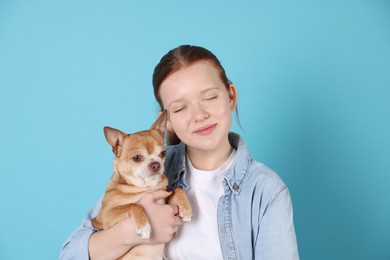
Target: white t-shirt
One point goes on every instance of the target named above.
(199, 239)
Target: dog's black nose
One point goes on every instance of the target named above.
(154, 166)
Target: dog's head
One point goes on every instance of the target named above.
(139, 157)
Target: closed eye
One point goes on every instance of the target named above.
(210, 98)
(178, 109)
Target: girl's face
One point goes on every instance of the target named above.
(199, 106)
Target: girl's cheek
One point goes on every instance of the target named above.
(222, 107)
(175, 122)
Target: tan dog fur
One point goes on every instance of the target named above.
(138, 168)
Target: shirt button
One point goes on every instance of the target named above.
(235, 186)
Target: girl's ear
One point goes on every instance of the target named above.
(232, 96)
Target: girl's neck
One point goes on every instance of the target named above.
(209, 160)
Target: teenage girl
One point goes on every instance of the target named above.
(241, 208)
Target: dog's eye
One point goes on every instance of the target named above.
(163, 154)
(137, 158)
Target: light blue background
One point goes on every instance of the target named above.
(314, 101)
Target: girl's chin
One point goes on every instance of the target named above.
(203, 146)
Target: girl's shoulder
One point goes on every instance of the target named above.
(263, 181)
(263, 174)
(251, 171)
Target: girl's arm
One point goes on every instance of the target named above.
(277, 239)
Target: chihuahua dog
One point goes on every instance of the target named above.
(138, 168)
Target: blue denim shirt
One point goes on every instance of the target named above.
(255, 215)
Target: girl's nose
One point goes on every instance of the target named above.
(199, 113)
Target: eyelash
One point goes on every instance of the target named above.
(179, 109)
(210, 98)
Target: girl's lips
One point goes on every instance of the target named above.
(206, 130)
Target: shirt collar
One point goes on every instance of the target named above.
(234, 176)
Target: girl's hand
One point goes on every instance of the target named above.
(163, 217)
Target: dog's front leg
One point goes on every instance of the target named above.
(179, 198)
(135, 212)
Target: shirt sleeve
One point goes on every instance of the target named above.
(277, 239)
(76, 246)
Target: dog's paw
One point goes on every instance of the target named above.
(185, 213)
(180, 199)
(144, 231)
(186, 217)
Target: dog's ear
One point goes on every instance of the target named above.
(115, 138)
(161, 123)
